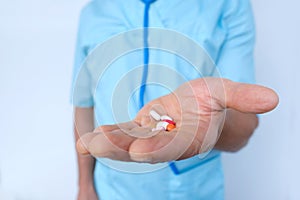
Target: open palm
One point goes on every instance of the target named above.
(198, 107)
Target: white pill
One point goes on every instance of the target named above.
(162, 125)
(166, 117)
(155, 115)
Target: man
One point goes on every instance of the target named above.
(203, 108)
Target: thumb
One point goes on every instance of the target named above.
(249, 98)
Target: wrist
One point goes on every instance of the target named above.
(86, 184)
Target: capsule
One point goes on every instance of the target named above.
(165, 122)
(166, 117)
(171, 127)
(155, 115)
(162, 124)
(169, 121)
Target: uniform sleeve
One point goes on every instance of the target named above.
(81, 94)
(235, 60)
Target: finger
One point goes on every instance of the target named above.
(111, 141)
(164, 146)
(83, 141)
(130, 128)
(249, 97)
(108, 128)
(142, 132)
(113, 145)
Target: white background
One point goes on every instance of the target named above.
(37, 158)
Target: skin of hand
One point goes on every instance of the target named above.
(84, 122)
(199, 109)
(237, 130)
(87, 193)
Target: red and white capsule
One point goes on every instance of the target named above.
(165, 123)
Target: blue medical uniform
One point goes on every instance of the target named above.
(224, 28)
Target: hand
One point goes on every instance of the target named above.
(198, 107)
(87, 193)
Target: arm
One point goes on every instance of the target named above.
(83, 123)
(236, 63)
(237, 130)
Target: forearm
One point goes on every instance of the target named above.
(83, 123)
(237, 130)
(86, 165)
